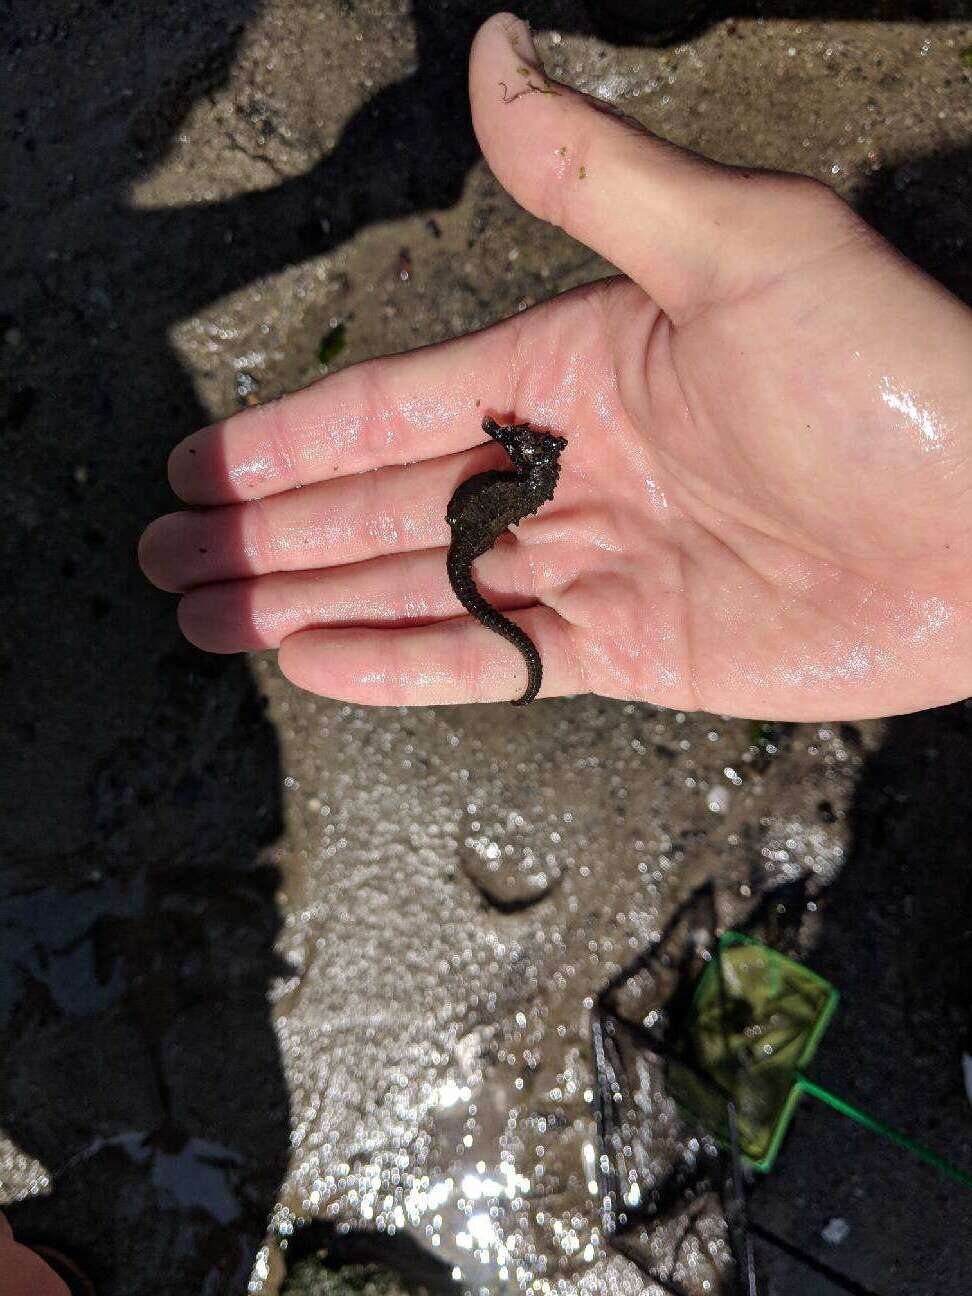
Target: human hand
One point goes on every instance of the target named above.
(22, 1271)
(764, 508)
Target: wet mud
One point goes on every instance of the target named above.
(264, 956)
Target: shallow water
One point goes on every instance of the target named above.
(437, 1044)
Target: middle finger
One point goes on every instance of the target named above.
(350, 519)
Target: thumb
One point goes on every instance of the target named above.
(691, 232)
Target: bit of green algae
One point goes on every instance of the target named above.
(332, 344)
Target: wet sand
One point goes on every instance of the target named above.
(268, 954)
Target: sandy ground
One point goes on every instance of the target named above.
(266, 955)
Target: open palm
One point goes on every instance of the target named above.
(764, 506)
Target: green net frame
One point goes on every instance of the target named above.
(754, 1024)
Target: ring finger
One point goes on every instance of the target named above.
(397, 591)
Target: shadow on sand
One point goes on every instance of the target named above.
(140, 779)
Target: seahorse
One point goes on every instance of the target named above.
(480, 511)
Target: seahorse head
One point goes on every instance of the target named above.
(530, 450)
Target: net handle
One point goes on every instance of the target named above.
(845, 1108)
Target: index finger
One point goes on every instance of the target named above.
(393, 410)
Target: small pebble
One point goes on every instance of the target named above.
(717, 799)
(836, 1231)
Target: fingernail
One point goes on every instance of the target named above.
(521, 42)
